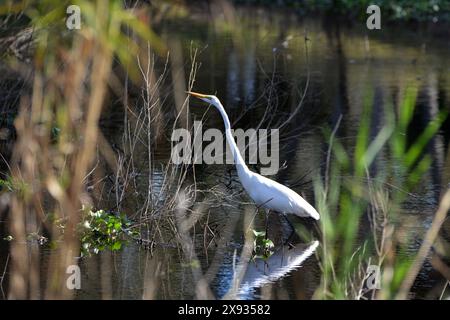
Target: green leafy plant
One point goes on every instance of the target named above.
(6, 184)
(101, 230)
(262, 246)
(17, 186)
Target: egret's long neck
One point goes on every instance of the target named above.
(238, 160)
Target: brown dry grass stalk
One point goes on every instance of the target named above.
(69, 89)
(430, 237)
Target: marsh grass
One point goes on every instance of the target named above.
(352, 196)
(71, 77)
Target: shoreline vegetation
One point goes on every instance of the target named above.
(392, 10)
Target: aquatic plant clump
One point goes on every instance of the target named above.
(102, 230)
(263, 247)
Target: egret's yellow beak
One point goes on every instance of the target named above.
(197, 95)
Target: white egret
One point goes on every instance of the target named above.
(265, 192)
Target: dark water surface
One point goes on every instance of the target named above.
(258, 60)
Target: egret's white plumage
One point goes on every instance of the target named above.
(264, 191)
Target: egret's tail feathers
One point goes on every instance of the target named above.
(311, 212)
(314, 214)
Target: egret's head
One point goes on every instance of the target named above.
(205, 97)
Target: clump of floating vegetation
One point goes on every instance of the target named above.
(100, 230)
(262, 246)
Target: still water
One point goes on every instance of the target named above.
(264, 58)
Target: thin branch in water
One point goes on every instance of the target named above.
(430, 236)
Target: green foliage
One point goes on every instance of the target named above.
(6, 184)
(391, 9)
(353, 192)
(262, 246)
(117, 28)
(101, 230)
(17, 186)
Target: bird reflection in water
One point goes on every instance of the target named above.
(260, 272)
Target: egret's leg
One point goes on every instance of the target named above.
(289, 223)
(292, 234)
(289, 240)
